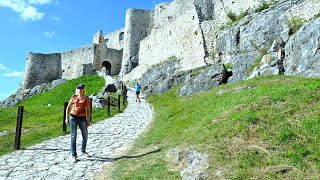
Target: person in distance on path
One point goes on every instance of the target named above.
(138, 88)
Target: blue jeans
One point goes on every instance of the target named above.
(82, 122)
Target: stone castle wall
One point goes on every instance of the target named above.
(41, 68)
(115, 39)
(185, 29)
(75, 62)
(114, 57)
(181, 38)
(138, 25)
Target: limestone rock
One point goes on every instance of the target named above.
(194, 164)
(303, 51)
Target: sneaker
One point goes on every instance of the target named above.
(73, 159)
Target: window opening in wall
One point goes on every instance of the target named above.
(192, 17)
(62, 70)
(170, 32)
(106, 41)
(141, 32)
(68, 67)
(121, 36)
(106, 65)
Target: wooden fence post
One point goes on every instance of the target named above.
(109, 104)
(123, 98)
(18, 128)
(119, 102)
(64, 125)
(90, 109)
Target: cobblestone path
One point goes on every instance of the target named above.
(107, 140)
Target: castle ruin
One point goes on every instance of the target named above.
(182, 28)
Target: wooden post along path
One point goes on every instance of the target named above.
(64, 125)
(18, 128)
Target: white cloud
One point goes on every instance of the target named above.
(36, 2)
(49, 33)
(14, 74)
(26, 9)
(3, 67)
(31, 13)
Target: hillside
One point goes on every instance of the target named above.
(264, 128)
(43, 113)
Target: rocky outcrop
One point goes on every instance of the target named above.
(194, 165)
(303, 51)
(205, 79)
(161, 78)
(21, 95)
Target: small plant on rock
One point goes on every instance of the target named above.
(228, 66)
(232, 16)
(212, 55)
(264, 5)
(295, 24)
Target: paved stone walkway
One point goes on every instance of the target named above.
(107, 141)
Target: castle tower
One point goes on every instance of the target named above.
(98, 38)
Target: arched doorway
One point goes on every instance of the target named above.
(107, 66)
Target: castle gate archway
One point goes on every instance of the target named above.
(107, 66)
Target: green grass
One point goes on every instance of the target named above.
(41, 122)
(269, 132)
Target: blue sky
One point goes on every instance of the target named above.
(50, 26)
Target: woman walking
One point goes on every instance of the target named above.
(79, 115)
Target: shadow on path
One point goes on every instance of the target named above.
(44, 149)
(102, 159)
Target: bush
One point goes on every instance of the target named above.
(232, 16)
(263, 6)
(295, 24)
(228, 66)
(212, 55)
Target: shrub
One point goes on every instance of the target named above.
(295, 24)
(228, 66)
(232, 16)
(212, 55)
(263, 6)
(242, 15)
(317, 16)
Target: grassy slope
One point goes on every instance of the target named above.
(269, 132)
(41, 122)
